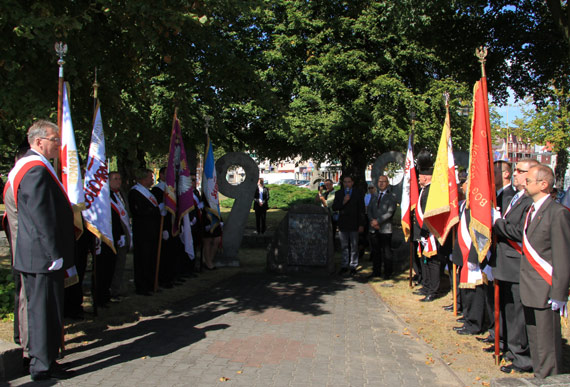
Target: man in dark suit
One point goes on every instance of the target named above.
(121, 234)
(145, 213)
(260, 206)
(380, 213)
(506, 269)
(545, 272)
(349, 202)
(171, 247)
(430, 259)
(44, 246)
(505, 190)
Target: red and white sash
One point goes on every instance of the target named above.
(429, 246)
(23, 166)
(146, 193)
(537, 262)
(119, 208)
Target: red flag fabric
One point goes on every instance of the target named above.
(481, 184)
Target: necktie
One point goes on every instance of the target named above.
(380, 198)
(530, 211)
(513, 201)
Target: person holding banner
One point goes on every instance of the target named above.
(121, 234)
(427, 244)
(506, 269)
(43, 252)
(146, 227)
(211, 236)
(545, 272)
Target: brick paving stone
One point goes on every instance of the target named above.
(274, 330)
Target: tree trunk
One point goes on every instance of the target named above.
(355, 166)
(561, 165)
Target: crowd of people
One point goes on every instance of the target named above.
(47, 255)
(529, 263)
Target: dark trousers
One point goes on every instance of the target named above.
(45, 318)
(490, 308)
(260, 216)
(513, 324)
(545, 341)
(17, 288)
(74, 293)
(432, 274)
(170, 251)
(473, 304)
(104, 271)
(381, 251)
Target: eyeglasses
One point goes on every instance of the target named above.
(54, 139)
(521, 170)
(528, 181)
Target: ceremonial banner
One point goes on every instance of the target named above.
(210, 187)
(409, 189)
(70, 169)
(178, 194)
(442, 207)
(481, 184)
(97, 211)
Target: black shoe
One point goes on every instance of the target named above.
(420, 292)
(513, 369)
(57, 374)
(490, 349)
(461, 320)
(428, 298)
(465, 331)
(352, 271)
(488, 339)
(143, 293)
(459, 328)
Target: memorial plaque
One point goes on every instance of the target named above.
(308, 239)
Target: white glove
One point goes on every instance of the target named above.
(97, 246)
(165, 235)
(472, 266)
(222, 224)
(121, 242)
(559, 305)
(200, 205)
(56, 265)
(423, 241)
(193, 221)
(496, 215)
(208, 227)
(162, 209)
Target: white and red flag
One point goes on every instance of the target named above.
(70, 168)
(409, 189)
(97, 211)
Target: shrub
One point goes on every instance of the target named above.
(6, 294)
(282, 196)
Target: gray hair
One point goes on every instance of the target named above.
(39, 129)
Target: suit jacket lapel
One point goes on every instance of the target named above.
(536, 220)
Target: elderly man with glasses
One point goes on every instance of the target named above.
(44, 247)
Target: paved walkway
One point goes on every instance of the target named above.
(262, 330)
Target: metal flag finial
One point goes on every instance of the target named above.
(61, 50)
(95, 85)
(446, 98)
(481, 53)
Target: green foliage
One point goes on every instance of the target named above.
(283, 196)
(6, 293)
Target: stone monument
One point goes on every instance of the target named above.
(303, 242)
(243, 194)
